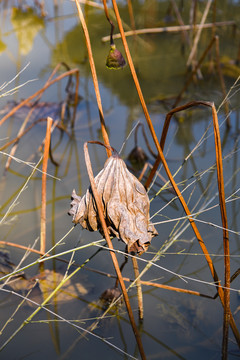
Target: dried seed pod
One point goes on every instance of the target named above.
(115, 60)
(125, 203)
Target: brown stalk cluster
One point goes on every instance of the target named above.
(125, 203)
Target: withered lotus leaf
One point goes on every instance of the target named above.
(125, 203)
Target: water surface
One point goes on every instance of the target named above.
(176, 325)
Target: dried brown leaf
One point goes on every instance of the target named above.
(125, 204)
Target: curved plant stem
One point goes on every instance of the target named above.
(168, 172)
(226, 298)
(109, 20)
(94, 76)
(113, 255)
(165, 131)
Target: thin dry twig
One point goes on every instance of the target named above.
(15, 89)
(168, 29)
(154, 284)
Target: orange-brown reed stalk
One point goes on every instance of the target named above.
(94, 76)
(134, 260)
(222, 202)
(139, 288)
(173, 288)
(44, 183)
(112, 253)
(155, 284)
(8, 243)
(168, 172)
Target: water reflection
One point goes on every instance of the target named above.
(175, 325)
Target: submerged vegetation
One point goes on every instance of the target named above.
(178, 81)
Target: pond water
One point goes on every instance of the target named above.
(175, 325)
